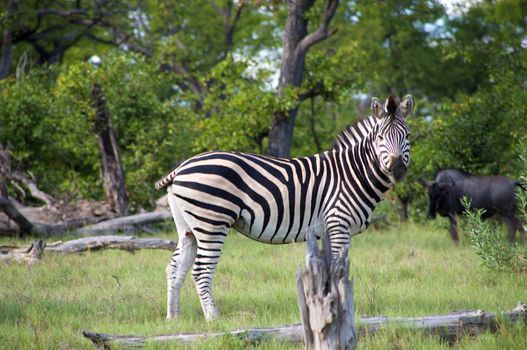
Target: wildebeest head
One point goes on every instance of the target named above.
(437, 192)
(391, 141)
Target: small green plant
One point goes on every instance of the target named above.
(496, 253)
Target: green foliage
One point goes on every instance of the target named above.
(238, 108)
(495, 252)
(193, 90)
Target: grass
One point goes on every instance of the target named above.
(409, 270)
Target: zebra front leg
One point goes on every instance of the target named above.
(207, 257)
(176, 271)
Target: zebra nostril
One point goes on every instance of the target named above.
(396, 162)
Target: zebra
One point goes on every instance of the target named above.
(280, 200)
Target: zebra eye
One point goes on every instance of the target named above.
(380, 137)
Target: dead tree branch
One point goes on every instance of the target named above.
(449, 327)
(126, 223)
(31, 186)
(30, 255)
(128, 243)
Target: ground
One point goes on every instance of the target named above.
(407, 270)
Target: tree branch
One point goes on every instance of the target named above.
(31, 185)
(322, 31)
(61, 13)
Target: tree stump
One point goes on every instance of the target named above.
(325, 298)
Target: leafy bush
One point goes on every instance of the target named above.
(496, 253)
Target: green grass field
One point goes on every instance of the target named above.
(409, 270)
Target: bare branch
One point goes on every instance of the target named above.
(230, 27)
(61, 13)
(31, 185)
(322, 31)
(216, 8)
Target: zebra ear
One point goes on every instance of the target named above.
(376, 107)
(407, 105)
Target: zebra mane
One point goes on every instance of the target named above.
(354, 133)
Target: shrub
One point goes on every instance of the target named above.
(494, 250)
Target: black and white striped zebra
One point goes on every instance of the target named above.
(279, 200)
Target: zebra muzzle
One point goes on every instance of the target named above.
(398, 168)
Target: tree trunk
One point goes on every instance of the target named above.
(296, 43)
(325, 298)
(112, 170)
(7, 41)
(449, 327)
(5, 168)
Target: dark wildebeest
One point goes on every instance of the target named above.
(494, 194)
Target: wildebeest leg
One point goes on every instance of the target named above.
(453, 227)
(513, 223)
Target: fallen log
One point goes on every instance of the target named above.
(30, 255)
(129, 243)
(125, 223)
(36, 228)
(449, 327)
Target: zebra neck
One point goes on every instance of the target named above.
(362, 170)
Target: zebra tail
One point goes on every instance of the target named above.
(168, 178)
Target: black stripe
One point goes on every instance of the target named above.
(235, 178)
(208, 221)
(211, 207)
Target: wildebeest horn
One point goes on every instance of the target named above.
(425, 182)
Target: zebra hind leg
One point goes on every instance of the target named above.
(176, 271)
(209, 247)
(181, 260)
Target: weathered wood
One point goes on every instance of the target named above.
(449, 327)
(126, 223)
(30, 255)
(26, 227)
(325, 298)
(112, 169)
(129, 243)
(31, 186)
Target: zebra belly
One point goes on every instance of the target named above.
(273, 236)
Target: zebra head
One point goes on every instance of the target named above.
(391, 143)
